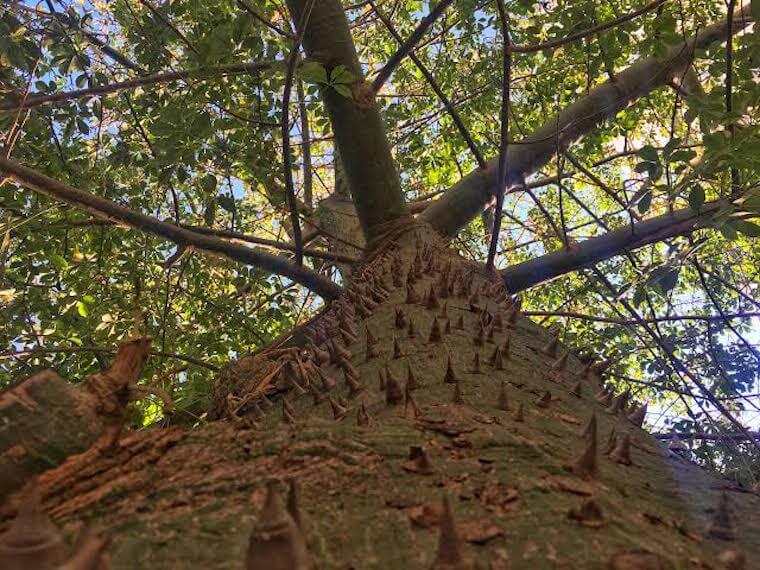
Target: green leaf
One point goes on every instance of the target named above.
(645, 203)
(729, 232)
(313, 72)
(343, 89)
(58, 261)
(341, 74)
(697, 198)
(649, 153)
(745, 227)
(82, 309)
(227, 203)
(209, 183)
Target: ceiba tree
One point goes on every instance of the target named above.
(420, 420)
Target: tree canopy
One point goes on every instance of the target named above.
(630, 170)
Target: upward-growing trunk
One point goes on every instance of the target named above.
(188, 499)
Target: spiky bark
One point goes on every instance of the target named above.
(373, 469)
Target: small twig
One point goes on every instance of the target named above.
(588, 32)
(408, 45)
(37, 99)
(245, 5)
(287, 163)
(504, 145)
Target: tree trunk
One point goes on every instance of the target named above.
(171, 498)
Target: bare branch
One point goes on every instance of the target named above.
(450, 109)
(632, 322)
(103, 207)
(504, 144)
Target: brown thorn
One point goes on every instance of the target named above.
(432, 299)
(618, 403)
(450, 555)
(362, 417)
(450, 377)
(519, 413)
(400, 319)
(550, 349)
(576, 389)
(276, 542)
(586, 465)
(339, 411)
(418, 461)
(721, 525)
(435, 332)
(411, 378)
(476, 363)
(397, 353)
(457, 396)
(544, 400)
(637, 416)
(622, 452)
(503, 401)
(411, 330)
(287, 412)
(393, 392)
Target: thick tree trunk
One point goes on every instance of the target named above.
(189, 499)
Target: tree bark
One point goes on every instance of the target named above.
(187, 499)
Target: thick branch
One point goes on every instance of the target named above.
(466, 199)
(586, 253)
(359, 130)
(103, 207)
(37, 99)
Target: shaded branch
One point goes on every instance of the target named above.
(631, 322)
(466, 199)
(586, 253)
(37, 99)
(105, 208)
(42, 350)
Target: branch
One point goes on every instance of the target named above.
(42, 350)
(586, 253)
(37, 99)
(450, 109)
(104, 208)
(466, 199)
(709, 436)
(359, 131)
(631, 322)
(409, 45)
(506, 79)
(589, 32)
